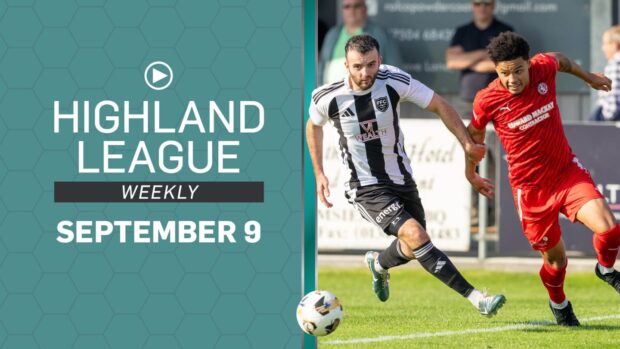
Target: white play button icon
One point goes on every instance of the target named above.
(158, 75)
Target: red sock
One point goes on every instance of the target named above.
(553, 280)
(606, 246)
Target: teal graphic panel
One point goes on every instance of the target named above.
(150, 173)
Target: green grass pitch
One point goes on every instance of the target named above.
(431, 315)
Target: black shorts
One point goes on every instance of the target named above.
(388, 205)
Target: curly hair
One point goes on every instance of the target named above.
(508, 46)
(361, 43)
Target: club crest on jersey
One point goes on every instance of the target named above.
(543, 88)
(381, 103)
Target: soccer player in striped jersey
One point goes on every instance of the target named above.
(364, 108)
(546, 177)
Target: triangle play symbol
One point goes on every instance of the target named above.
(158, 75)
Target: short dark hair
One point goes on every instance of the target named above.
(508, 46)
(361, 43)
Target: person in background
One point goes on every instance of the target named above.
(608, 104)
(355, 21)
(467, 52)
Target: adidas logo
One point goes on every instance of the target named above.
(439, 265)
(347, 113)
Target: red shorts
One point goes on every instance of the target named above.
(538, 208)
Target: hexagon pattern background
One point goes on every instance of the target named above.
(165, 295)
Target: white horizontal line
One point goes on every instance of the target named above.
(461, 332)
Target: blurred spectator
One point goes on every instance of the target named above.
(467, 52)
(608, 105)
(355, 22)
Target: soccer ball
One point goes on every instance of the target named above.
(319, 313)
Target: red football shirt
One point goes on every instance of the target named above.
(528, 125)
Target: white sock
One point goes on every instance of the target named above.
(605, 270)
(559, 306)
(475, 297)
(378, 267)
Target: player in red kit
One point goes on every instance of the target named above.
(546, 177)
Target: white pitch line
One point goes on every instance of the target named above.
(461, 332)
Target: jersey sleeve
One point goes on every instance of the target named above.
(547, 65)
(412, 90)
(479, 117)
(408, 88)
(418, 93)
(318, 113)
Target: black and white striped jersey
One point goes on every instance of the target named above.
(370, 139)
